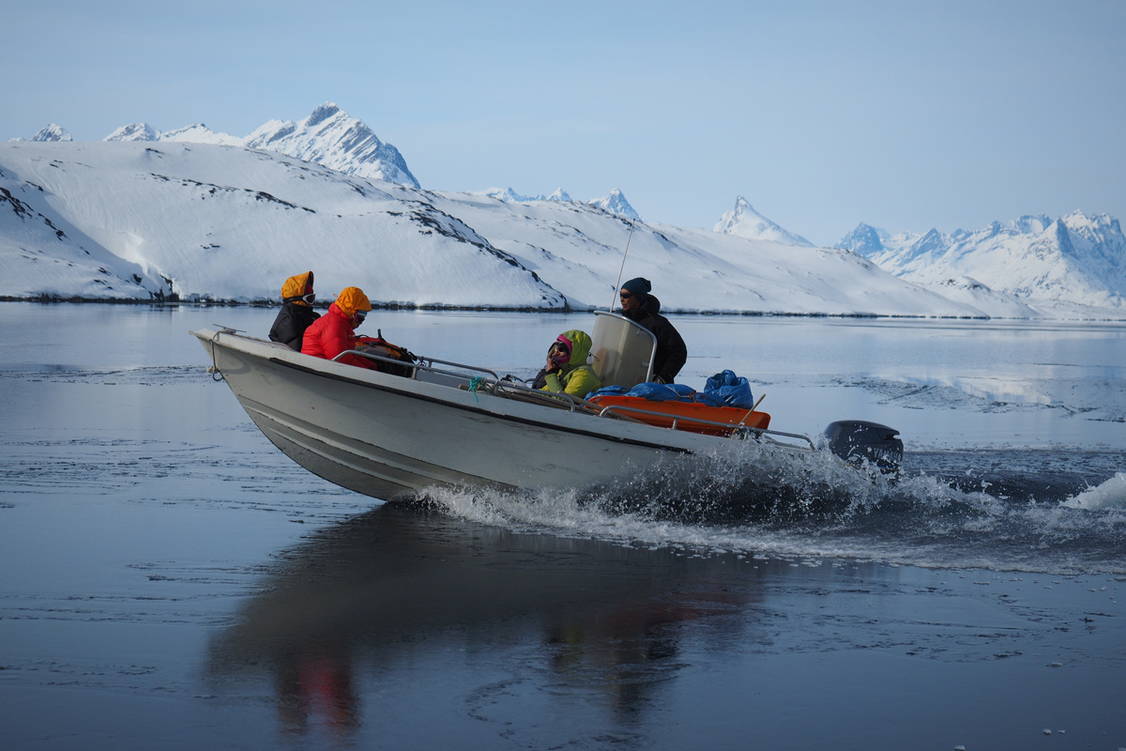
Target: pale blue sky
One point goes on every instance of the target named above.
(905, 115)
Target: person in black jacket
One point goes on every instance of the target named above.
(297, 311)
(643, 308)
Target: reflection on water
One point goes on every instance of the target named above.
(558, 624)
(368, 595)
(316, 686)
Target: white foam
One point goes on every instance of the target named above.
(1110, 494)
(917, 520)
(809, 476)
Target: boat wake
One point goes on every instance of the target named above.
(775, 504)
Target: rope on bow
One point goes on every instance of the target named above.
(474, 384)
(216, 374)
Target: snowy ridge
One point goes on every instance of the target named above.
(232, 224)
(744, 221)
(200, 133)
(613, 203)
(225, 223)
(328, 136)
(1076, 260)
(42, 255)
(134, 132)
(51, 132)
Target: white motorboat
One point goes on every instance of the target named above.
(446, 423)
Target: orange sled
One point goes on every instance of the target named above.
(683, 413)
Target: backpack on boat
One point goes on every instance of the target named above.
(377, 345)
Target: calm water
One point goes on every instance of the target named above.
(170, 580)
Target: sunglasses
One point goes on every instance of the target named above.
(625, 295)
(309, 297)
(360, 316)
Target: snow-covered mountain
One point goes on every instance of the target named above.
(42, 254)
(865, 240)
(1074, 260)
(744, 221)
(134, 132)
(203, 220)
(192, 219)
(51, 132)
(506, 194)
(200, 133)
(510, 195)
(614, 203)
(328, 136)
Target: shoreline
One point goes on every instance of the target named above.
(429, 307)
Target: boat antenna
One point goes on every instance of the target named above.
(622, 268)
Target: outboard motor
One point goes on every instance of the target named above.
(859, 441)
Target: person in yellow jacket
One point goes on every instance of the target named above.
(566, 369)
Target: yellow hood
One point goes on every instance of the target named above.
(295, 287)
(352, 300)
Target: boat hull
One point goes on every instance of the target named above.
(387, 436)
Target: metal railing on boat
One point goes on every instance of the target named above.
(419, 365)
(497, 386)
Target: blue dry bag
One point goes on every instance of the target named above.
(727, 390)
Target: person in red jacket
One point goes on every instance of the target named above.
(334, 332)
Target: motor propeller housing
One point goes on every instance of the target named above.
(860, 441)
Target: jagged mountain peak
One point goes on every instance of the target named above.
(1078, 258)
(931, 241)
(1030, 223)
(1103, 224)
(53, 132)
(328, 136)
(331, 137)
(615, 202)
(200, 133)
(322, 113)
(864, 240)
(744, 221)
(511, 196)
(134, 132)
(506, 194)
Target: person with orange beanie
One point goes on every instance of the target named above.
(297, 312)
(334, 332)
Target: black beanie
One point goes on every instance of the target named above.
(638, 286)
